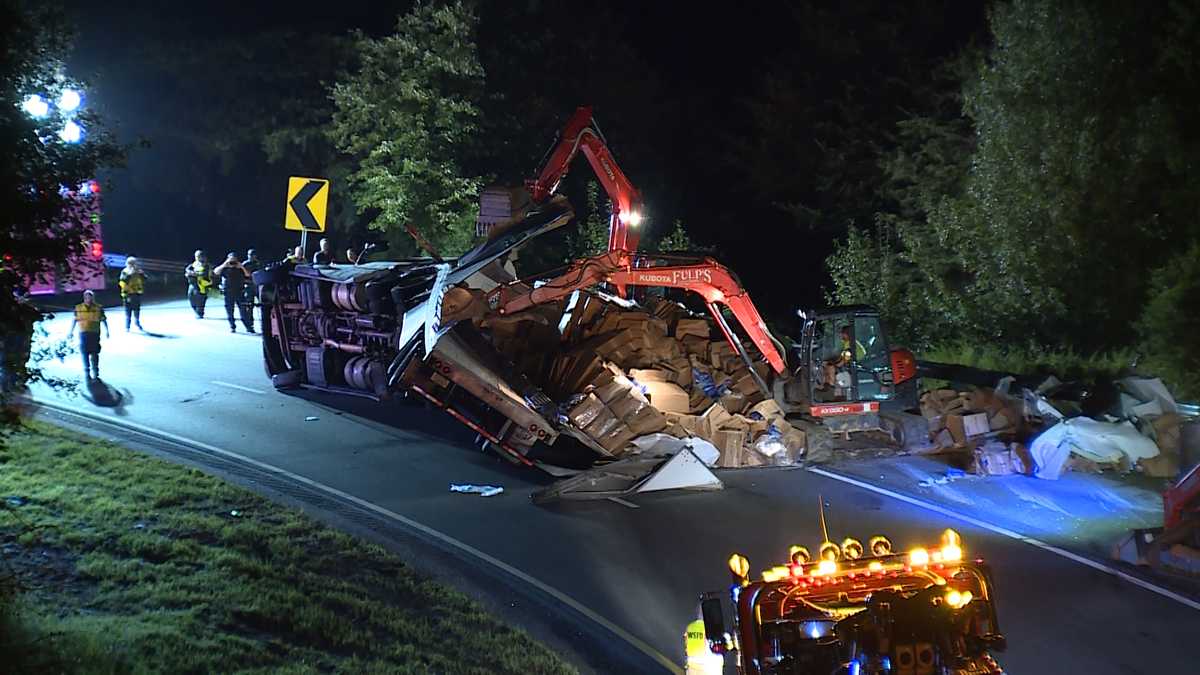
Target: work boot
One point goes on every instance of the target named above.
(233, 329)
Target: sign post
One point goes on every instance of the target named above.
(305, 207)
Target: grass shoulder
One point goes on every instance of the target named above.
(118, 562)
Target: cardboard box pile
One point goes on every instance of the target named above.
(631, 371)
(961, 419)
(613, 413)
(999, 459)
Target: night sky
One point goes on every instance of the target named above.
(706, 59)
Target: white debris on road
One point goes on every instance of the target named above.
(481, 490)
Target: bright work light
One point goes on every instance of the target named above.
(71, 132)
(36, 106)
(69, 100)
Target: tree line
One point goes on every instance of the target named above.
(1047, 196)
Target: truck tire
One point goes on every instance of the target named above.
(273, 357)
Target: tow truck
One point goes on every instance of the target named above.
(385, 328)
(853, 609)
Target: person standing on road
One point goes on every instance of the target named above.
(323, 256)
(89, 316)
(199, 278)
(133, 284)
(233, 284)
(251, 265)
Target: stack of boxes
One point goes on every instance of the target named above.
(630, 372)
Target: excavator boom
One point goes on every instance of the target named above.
(621, 266)
(705, 277)
(582, 133)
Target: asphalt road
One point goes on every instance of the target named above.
(640, 568)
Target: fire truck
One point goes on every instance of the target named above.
(85, 269)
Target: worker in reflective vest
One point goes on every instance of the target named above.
(133, 284)
(845, 358)
(199, 276)
(700, 659)
(89, 316)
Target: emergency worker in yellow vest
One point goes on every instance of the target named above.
(133, 284)
(845, 357)
(700, 660)
(199, 276)
(89, 316)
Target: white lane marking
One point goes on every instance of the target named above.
(424, 529)
(238, 386)
(1167, 593)
(622, 502)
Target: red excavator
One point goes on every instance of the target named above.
(869, 387)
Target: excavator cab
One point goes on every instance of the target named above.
(845, 366)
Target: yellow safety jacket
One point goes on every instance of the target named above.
(695, 642)
(88, 317)
(132, 283)
(700, 661)
(860, 351)
(203, 278)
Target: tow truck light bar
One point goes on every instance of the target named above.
(852, 559)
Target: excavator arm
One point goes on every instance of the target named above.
(621, 267)
(705, 277)
(582, 133)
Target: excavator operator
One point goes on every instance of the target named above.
(844, 357)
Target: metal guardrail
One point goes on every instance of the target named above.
(117, 261)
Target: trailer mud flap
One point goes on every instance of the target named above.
(635, 475)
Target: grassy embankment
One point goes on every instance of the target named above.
(114, 562)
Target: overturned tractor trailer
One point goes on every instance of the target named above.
(575, 375)
(375, 330)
